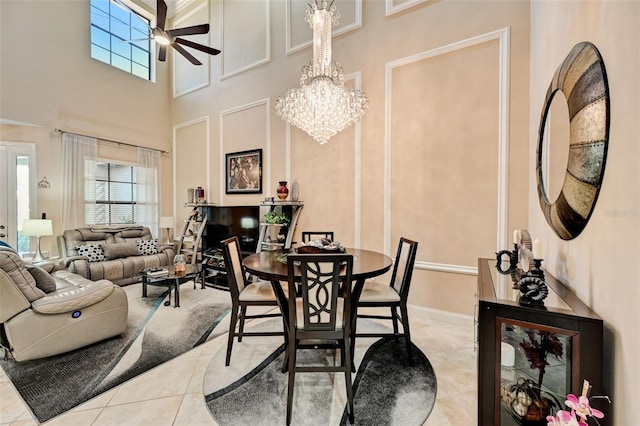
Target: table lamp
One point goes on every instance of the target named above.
(167, 222)
(37, 228)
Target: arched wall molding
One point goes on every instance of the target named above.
(503, 36)
(391, 8)
(203, 71)
(174, 152)
(266, 162)
(267, 38)
(339, 31)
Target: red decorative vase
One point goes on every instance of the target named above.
(282, 190)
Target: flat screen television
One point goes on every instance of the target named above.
(227, 221)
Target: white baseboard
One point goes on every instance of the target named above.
(439, 315)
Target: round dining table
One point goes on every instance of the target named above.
(272, 266)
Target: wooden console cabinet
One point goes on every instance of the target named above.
(510, 337)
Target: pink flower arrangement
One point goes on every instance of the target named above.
(580, 412)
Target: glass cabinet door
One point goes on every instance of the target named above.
(535, 368)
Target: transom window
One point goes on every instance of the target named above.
(120, 38)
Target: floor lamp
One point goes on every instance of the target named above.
(167, 222)
(37, 228)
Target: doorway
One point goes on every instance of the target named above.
(17, 188)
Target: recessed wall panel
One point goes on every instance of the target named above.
(245, 35)
(241, 129)
(186, 76)
(190, 163)
(444, 154)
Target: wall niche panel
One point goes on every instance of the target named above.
(246, 127)
(187, 77)
(330, 191)
(299, 34)
(246, 35)
(190, 157)
(444, 154)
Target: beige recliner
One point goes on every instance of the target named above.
(57, 312)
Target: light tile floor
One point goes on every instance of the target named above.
(172, 394)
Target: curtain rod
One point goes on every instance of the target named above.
(112, 141)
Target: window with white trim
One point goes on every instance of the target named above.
(112, 194)
(120, 37)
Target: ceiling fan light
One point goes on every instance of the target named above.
(162, 39)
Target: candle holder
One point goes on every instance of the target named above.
(512, 257)
(533, 288)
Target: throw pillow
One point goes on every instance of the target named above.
(147, 246)
(44, 280)
(93, 252)
(118, 250)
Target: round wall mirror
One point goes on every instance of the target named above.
(555, 147)
(581, 82)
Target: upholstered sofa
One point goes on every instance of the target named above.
(116, 253)
(46, 311)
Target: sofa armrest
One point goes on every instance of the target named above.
(78, 265)
(168, 250)
(12, 300)
(73, 298)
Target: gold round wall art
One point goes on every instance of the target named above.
(583, 81)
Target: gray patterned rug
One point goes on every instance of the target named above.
(387, 390)
(155, 334)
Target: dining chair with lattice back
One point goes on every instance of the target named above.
(245, 294)
(320, 316)
(312, 235)
(392, 295)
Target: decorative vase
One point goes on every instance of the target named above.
(199, 194)
(179, 263)
(282, 191)
(295, 190)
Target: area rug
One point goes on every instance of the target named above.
(387, 390)
(155, 333)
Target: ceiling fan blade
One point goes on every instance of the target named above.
(202, 48)
(186, 54)
(162, 53)
(195, 29)
(161, 14)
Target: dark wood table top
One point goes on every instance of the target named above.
(366, 264)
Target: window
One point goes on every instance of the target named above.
(113, 194)
(120, 38)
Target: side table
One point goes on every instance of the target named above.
(173, 281)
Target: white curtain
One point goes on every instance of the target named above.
(76, 178)
(147, 188)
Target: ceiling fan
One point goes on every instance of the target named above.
(171, 38)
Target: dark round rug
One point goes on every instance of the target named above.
(387, 390)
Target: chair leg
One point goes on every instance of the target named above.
(232, 331)
(407, 332)
(291, 352)
(394, 319)
(347, 360)
(243, 313)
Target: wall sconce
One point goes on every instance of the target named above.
(37, 228)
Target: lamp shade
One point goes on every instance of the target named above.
(167, 222)
(37, 227)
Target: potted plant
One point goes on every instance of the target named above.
(277, 217)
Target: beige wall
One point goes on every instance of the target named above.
(445, 105)
(48, 79)
(602, 264)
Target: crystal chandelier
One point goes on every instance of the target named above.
(322, 106)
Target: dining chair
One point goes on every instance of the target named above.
(392, 295)
(245, 294)
(320, 316)
(312, 235)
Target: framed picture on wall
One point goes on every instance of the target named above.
(243, 172)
